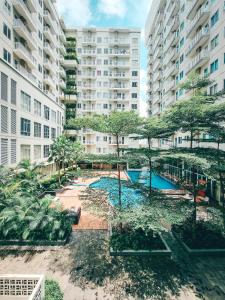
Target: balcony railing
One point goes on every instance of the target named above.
(204, 10)
(199, 60)
(20, 46)
(17, 23)
(119, 41)
(25, 73)
(89, 40)
(204, 33)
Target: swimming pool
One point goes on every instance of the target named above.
(158, 182)
(129, 195)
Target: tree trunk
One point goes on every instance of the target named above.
(150, 167)
(118, 170)
(59, 175)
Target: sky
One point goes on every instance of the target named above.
(110, 13)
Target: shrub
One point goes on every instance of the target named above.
(52, 290)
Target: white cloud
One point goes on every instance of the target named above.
(116, 8)
(75, 12)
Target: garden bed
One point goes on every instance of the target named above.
(137, 243)
(205, 241)
(33, 243)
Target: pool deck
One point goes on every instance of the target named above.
(71, 196)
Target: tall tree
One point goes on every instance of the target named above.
(116, 124)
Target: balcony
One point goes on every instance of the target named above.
(200, 18)
(88, 108)
(88, 63)
(25, 10)
(23, 31)
(195, 4)
(62, 72)
(23, 53)
(120, 65)
(49, 50)
(89, 52)
(170, 86)
(175, 24)
(88, 97)
(88, 86)
(62, 49)
(120, 75)
(50, 94)
(49, 35)
(119, 86)
(62, 36)
(157, 75)
(89, 41)
(158, 52)
(49, 20)
(199, 40)
(171, 70)
(119, 52)
(62, 83)
(68, 98)
(48, 64)
(88, 131)
(119, 41)
(88, 75)
(201, 59)
(26, 73)
(118, 98)
(49, 80)
(50, 7)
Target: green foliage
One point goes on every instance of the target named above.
(52, 290)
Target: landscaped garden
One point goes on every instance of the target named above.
(146, 213)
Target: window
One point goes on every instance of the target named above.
(213, 89)
(133, 106)
(37, 151)
(25, 127)
(25, 102)
(53, 116)
(46, 112)
(214, 66)
(181, 58)
(39, 35)
(181, 42)
(53, 133)
(134, 51)
(13, 121)
(6, 55)
(98, 138)
(13, 91)
(206, 72)
(99, 39)
(25, 152)
(134, 95)
(46, 132)
(13, 151)
(4, 119)
(6, 31)
(106, 50)
(37, 108)
(134, 40)
(182, 26)
(37, 129)
(7, 7)
(134, 73)
(46, 150)
(134, 84)
(215, 18)
(4, 87)
(105, 138)
(4, 151)
(105, 106)
(181, 75)
(224, 58)
(214, 42)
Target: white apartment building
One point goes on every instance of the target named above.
(108, 79)
(183, 36)
(31, 79)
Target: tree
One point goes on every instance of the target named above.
(60, 153)
(151, 129)
(116, 124)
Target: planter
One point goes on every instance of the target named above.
(160, 252)
(33, 243)
(199, 252)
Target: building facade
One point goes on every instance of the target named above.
(183, 36)
(108, 79)
(32, 79)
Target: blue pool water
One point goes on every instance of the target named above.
(130, 196)
(158, 182)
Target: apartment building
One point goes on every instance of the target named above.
(183, 36)
(108, 79)
(32, 79)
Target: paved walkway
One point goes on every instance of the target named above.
(72, 196)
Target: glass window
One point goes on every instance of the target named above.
(214, 66)
(37, 129)
(25, 102)
(25, 152)
(46, 150)
(25, 127)
(134, 73)
(46, 112)
(6, 31)
(46, 132)
(37, 107)
(53, 133)
(215, 18)
(6, 55)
